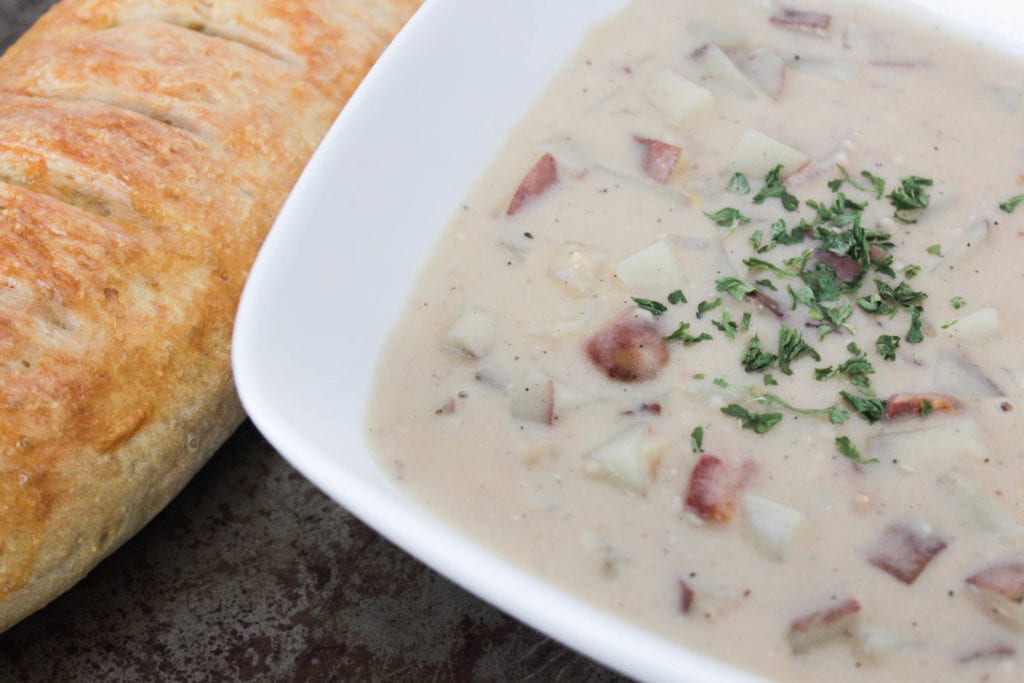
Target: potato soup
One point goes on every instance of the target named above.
(727, 342)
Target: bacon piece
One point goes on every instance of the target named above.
(660, 158)
(629, 350)
(543, 174)
(801, 20)
(904, 553)
(713, 488)
(823, 625)
(686, 596)
(900, 405)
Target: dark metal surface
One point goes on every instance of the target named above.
(253, 574)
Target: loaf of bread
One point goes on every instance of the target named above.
(145, 148)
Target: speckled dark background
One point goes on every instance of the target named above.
(253, 574)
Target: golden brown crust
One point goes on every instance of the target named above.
(145, 148)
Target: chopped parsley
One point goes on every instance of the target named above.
(836, 415)
(697, 439)
(734, 287)
(759, 423)
(705, 306)
(1011, 204)
(909, 196)
(791, 347)
(886, 346)
(793, 267)
(957, 302)
(682, 334)
(739, 184)
(727, 326)
(876, 182)
(856, 369)
(774, 187)
(677, 297)
(727, 217)
(926, 407)
(870, 408)
(848, 450)
(654, 307)
(935, 250)
(756, 359)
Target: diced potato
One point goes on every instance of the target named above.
(571, 159)
(1000, 590)
(715, 65)
(756, 154)
(569, 398)
(577, 266)
(652, 271)
(472, 334)
(676, 97)
(533, 398)
(770, 526)
(1017, 375)
(958, 375)
(947, 444)
(840, 70)
(975, 507)
(876, 643)
(964, 244)
(628, 459)
(841, 619)
(977, 327)
(766, 69)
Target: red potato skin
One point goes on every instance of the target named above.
(902, 405)
(542, 176)
(817, 627)
(660, 158)
(630, 350)
(686, 596)
(1005, 578)
(847, 268)
(903, 553)
(711, 493)
(816, 22)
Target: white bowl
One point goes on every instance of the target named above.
(337, 268)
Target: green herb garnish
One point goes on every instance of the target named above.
(705, 306)
(697, 439)
(682, 334)
(870, 408)
(734, 287)
(727, 217)
(756, 422)
(848, 450)
(1011, 204)
(654, 307)
(756, 359)
(791, 347)
(774, 187)
(739, 184)
(886, 346)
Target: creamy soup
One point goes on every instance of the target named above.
(728, 342)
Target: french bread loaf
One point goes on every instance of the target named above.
(145, 148)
